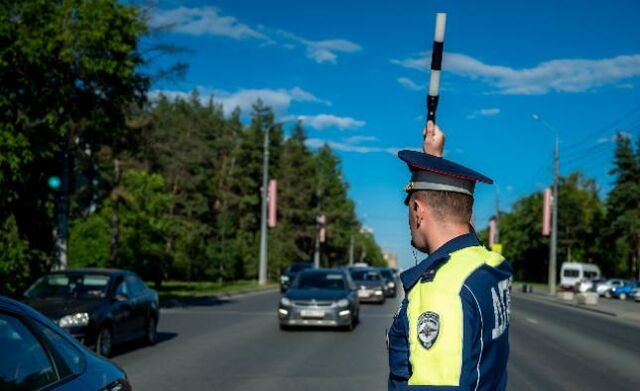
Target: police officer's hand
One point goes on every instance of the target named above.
(433, 140)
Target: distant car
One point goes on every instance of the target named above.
(585, 285)
(625, 291)
(290, 273)
(38, 355)
(371, 285)
(320, 297)
(573, 272)
(99, 307)
(390, 288)
(604, 288)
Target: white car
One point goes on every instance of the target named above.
(604, 288)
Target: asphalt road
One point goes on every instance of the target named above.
(236, 345)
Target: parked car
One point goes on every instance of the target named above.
(320, 297)
(573, 272)
(99, 307)
(636, 294)
(290, 273)
(390, 283)
(604, 288)
(36, 354)
(585, 285)
(623, 292)
(370, 285)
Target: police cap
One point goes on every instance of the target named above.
(430, 172)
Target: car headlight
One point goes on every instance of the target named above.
(285, 302)
(284, 278)
(343, 303)
(75, 320)
(391, 284)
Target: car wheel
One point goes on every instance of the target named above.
(104, 343)
(284, 327)
(152, 332)
(623, 296)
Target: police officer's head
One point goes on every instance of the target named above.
(435, 217)
(440, 199)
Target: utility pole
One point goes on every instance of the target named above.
(553, 246)
(316, 253)
(351, 251)
(262, 273)
(497, 233)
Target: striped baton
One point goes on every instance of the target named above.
(436, 67)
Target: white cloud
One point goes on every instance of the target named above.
(509, 188)
(484, 113)
(324, 50)
(561, 75)
(349, 146)
(209, 21)
(324, 121)
(359, 139)
(205, 21)
(278, 99)
(410, 84)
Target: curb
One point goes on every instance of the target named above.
(213, 299)
(543, 297)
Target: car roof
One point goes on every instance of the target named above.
(92, 270)
(323, 270)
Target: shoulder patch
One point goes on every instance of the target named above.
(428, 328)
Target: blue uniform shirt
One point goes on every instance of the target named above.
(452, 329)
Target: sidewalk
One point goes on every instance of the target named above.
(628, 310)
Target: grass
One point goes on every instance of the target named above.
(187, 289)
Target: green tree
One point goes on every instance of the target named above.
(14, 259)
(69, 70)
(622, 232)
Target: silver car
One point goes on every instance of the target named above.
(370, 283)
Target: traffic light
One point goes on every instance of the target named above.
(54, 182)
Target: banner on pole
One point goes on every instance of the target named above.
(323, 228)
(546, 212)
(273, 204)
(492, 232)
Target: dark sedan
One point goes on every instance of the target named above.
(100, 307)
(320, 297)
(36, 354)
(390, 287)
(371, 285)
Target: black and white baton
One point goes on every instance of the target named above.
(436, 67)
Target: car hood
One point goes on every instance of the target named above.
(56, 308)
(317, 294)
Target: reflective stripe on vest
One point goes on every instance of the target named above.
(441, 364)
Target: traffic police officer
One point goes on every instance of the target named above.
(451, 331)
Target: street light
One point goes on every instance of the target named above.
(262, 270)
(554, 223)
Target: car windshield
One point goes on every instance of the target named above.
(78, 286)
(299, 267)
(365, 275)
(330, 281)
(387, 274)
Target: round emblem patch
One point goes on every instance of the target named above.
(428, 328)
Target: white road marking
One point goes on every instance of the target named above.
(531, 320)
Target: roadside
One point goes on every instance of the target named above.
(192, 293)
(624, 310)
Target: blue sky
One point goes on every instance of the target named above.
(356, 72)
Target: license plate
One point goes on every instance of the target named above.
(363, 294)
(312, 313)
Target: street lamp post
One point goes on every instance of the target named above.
(553, 247)
(262, 272)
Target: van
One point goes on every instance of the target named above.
(573, 272)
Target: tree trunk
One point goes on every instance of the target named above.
(115, 215)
